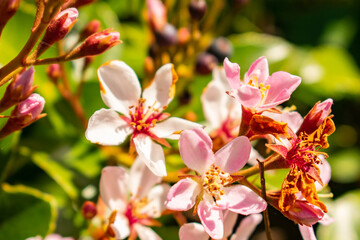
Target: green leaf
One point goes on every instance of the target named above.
(25, 212)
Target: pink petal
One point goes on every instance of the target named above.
(325, 173)
(307, 232)
(121, 226)
(151, 153)
(211, 219)
(259, 68)
(171, 127)
(119, 85)
(247, 95)
(193, 231)
(141, 179)
(241, 199)
(182, 195)
(232, 72)
(156, 197)
(293, 119)
(107, 128)
(113, 187)
(229, 222)
(283, 151)
(146, 233)
(247, 227)
(234, 155)
(162, 89)
(195, 148)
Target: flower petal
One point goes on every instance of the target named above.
(171, 127)
(121, 226)
(211, 219)
(107, 128)
(113, 187)
(241, 199)
(146, 233)
(141, 179)
(182, 195)
(162, 88)
(229, 222)
(151, 153)
(307, 233)
(156, 197)
(247, 227)
(234, 155)
(325, 173)
(193, 231)
(232, 72)
(195, 148)
(247, 95)
(119, 85)
(259, 69)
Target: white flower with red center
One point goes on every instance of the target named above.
(141, 116)
(260, 91)
(133, 199)
(210, 191)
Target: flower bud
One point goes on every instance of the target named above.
(183, 35)
(304, 213)
(167, 36)
(205, 63)
(197, 9)
(96, 43)
(89, 29)
(7, 9)
(88, 210)
(156, 14)
(221, 48)
(18, 90)
(54, 72)
(59, 27)
(316, 116)
(24, 114)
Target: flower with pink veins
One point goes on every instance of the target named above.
(142, 116)
(243, 231)
(210, 190)
(259, 91)
(133, 200)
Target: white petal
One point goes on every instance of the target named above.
(113, 187)
(151, 153)
(141, 179)
(121, 226)
(193, 231)
(172, 127)
(146, 233)
(162, 88)
(247, 227)
(156, 197)
(107, 128)
(119, 85)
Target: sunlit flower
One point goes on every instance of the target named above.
(142, 115)
(210, 191)
(243, 231)
(133, 200)
(259, 91)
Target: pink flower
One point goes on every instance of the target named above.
(260, 91)
(243, 231)
(156, 14)
(210, 191)
(142, 116)
(133, 199)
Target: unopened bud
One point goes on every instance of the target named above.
(89, 29)
(24, 114)
(59, 27)
(54, 72)
(205, 63)
(183, 35)
(88, 210)
(316, 116)
(304, 213)
(197, 9)
(18, 90)
(156, 14)
(96, 44)
(167, 36)
(221, 48)
(7, 9)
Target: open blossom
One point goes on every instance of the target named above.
(133, 200)
(210, 191)
(142, 116)
(243, 231)
(259, 91)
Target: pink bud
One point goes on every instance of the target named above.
(88, 210)
(54, 71)
(60, 26)
(7, 9)
(156, 14)
(304, 213)
(316, 116)
(31, 107)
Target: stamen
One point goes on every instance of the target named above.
(214, 180)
